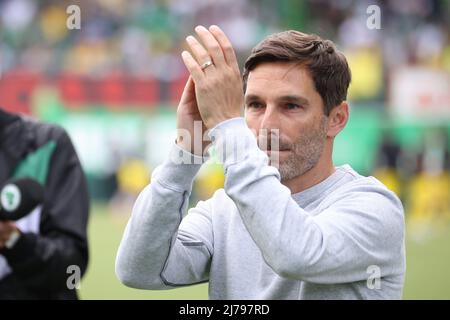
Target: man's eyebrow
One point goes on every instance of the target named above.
(289, 97)
(294, 98)
(249, 97)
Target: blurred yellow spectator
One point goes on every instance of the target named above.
(367, 73)
(53, 23)
(428, 203)
(446, 58)
(390, 178)
(210, 178)
(89, 57)
(133, 176)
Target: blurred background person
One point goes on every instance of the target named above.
(43, 247)
(429, 189)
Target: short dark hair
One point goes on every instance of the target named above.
(327, 66)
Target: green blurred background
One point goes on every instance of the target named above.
(115, 82)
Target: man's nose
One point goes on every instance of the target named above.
(271, 119)
(269, 129)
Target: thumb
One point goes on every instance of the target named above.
(188, 91)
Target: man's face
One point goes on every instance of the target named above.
(282, 96)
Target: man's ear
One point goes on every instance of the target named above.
(337, 119)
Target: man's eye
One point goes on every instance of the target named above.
(254, 105)
(292, 106)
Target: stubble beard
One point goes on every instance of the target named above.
(304, 153)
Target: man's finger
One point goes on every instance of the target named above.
(2, 227)
(200, 53)
(226, 46)
(192, 66)
(5, 228)
(211, 44)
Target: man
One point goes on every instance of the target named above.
(304, 230)
(43, 253)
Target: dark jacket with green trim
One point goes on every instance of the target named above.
(40, 262)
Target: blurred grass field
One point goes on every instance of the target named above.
(428, 266)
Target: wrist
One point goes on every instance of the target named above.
(192, 148)
(234, 141)
(212, 123)
(182, 144)
(178, 171)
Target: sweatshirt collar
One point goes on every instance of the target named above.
(321, 189)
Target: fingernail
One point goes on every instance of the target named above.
(189, 38)
(198, 28)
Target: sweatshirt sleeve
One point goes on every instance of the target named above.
(160, 249)
(363, 228)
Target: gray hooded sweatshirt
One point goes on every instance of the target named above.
(343, 238)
